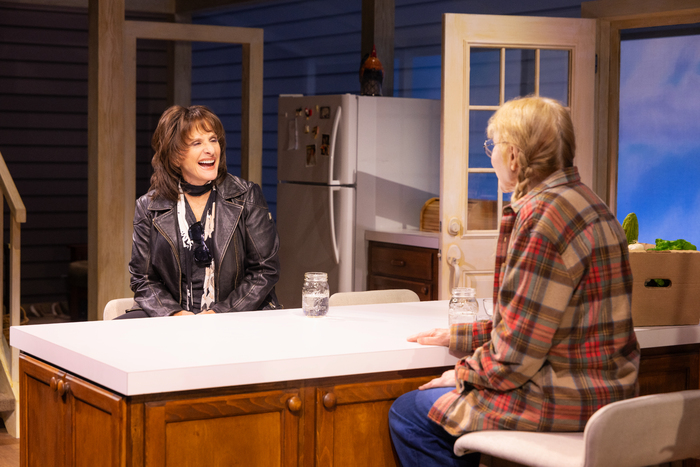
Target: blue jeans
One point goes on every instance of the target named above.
(418, 440)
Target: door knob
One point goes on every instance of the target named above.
(454, 227)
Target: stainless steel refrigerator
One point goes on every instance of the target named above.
(347, 164)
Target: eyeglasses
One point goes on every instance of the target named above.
(202, 255)
(489, 145)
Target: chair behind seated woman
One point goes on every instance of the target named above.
(370, 297)
(117, 307)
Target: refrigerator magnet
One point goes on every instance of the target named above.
(315, 132)
(324, 150)
(300, 112)
(309, 112)
(324, 113)
(306, 129)
(311, 155)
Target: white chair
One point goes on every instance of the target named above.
(117, 307)
(370, 297)
(636, 432)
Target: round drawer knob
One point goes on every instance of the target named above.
(329, 400)
(62, 387)
(294, 404)
(53, 383)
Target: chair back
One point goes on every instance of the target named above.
(370, 297)
(117, 307)
(645, 430)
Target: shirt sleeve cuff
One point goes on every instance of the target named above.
(461, 337)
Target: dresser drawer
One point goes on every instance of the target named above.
(401, 261)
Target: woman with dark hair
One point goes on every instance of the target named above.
(561, 344)
(204, 240)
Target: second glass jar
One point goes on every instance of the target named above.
(463, 307)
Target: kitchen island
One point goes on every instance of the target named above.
(261, 388)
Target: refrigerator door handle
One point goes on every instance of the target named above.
(334, 240)
(331, 159)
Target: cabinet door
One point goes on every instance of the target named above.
(260, 429)
(68, 421)
(352, 424)
(669, 369)
(44, 415)
(97, 428)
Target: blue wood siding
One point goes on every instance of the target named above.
(313, 47)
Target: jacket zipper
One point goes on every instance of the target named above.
(177, 256)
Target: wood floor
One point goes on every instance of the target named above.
(9, 449)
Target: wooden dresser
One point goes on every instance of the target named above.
(394, 266)
(403, 260)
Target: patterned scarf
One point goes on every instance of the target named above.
(209, 289)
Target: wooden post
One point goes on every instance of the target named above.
(252, 112)
(107, 260)
(378, 30)
(180, 68)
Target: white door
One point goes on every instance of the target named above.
(488, 60)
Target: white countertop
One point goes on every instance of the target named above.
(405, 237)
(144, 356)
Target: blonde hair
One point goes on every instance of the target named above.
(542, 131)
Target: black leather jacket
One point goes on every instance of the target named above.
(245, 248)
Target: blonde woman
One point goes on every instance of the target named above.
(561, 344)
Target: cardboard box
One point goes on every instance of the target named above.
(678, 300)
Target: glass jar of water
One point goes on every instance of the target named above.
(314, 294)
(463, 306)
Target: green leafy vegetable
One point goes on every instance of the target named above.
(631, 228)
(680, 244)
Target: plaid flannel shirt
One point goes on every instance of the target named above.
(561, 344)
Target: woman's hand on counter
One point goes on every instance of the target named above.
(435, 336)
(447, 380)
(183, 313)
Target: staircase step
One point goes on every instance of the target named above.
(7, 402)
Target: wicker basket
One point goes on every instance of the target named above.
(6, 322)
(430, 216)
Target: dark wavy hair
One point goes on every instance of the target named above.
(170, 142)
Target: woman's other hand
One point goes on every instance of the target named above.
(207, 312)
(183, 313)
(447, 380)
(433, 337)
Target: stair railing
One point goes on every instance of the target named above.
(10, 355)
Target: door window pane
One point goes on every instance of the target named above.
(554, 75)
(478, 120)
(484, 76)
(520, 73)
(659, 136)
(482, 201)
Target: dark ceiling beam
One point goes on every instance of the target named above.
(191, 6)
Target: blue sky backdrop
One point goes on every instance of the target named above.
(659, 147)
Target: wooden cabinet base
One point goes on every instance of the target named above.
(330, 422)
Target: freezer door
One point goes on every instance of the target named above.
(317, 139)
(315, 225)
